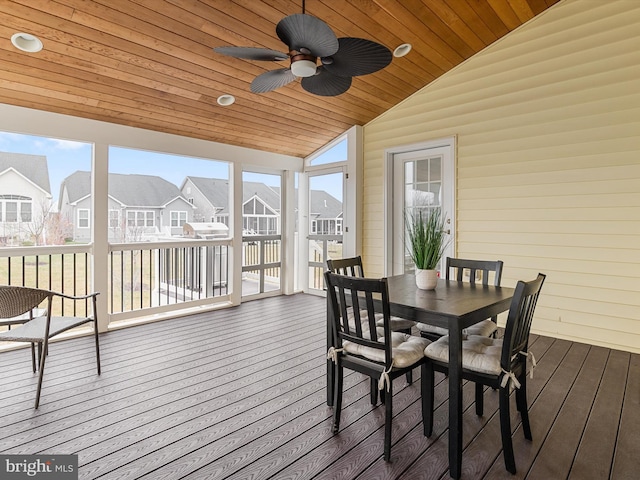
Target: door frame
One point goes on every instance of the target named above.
(450, 144)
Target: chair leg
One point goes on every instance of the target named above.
(409, 374)
(33, 356)
(427, 386)
(388, 417)
(95, 330)
(479, 399)
(521, 402)
(43, 357)
(337, 398)
(505, 430)
(374, 392)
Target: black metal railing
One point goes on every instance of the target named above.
(166, 273)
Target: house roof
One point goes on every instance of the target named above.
(32, 167)
(152, 64)
(323, 205)
(131, 190)
(217, 192)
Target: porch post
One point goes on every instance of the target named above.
(100, 230)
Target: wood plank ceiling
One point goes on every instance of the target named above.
(150, 63)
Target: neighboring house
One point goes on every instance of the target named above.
(25, 198)
(260, 204)
(141, 207)
(325, 214)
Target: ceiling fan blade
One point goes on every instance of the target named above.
(268, 81)
(252, 53)
(301, 31)
(357, 56)
(326, 84)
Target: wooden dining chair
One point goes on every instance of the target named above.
(361, 345)
(353, 268)
(20, 303)
(498, 363)
(484, 272)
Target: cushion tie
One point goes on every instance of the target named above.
(509, 377)
(530, 356)
(385, 381)
(332, 354)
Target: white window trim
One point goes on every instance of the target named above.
(88, 219)
(179, 214)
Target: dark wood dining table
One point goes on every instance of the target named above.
(455, 306)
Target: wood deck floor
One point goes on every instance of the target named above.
(240, 393)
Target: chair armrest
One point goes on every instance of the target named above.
(79, 297)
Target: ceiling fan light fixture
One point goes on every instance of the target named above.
(402, 50)
(303, 68)
(26, 42)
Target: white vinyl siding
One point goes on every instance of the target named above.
(547, 121)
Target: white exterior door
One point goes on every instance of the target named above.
(421, 179)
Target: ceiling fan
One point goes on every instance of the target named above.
(310, 39)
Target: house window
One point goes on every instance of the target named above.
(14, 208)
(191, 200)
(140, 218)
(11, 212)
(83, 218)
(114, 218)
(25, 211)
(178, 219)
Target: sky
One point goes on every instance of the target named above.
(65, 157)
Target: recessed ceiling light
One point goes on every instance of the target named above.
(226, 100)
(26, 42)
(402, 50)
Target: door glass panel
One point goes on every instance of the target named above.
(261, 236)
(419, 178)
(325, 224)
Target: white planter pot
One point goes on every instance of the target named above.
(426, 279)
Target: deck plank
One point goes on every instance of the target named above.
(595, 453)
(222, 395)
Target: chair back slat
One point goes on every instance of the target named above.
(351, 267)
(519, 320)
(476, 268)
(15, 301)
(358, 297)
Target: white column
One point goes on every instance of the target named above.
(100, 230)
(235, 226)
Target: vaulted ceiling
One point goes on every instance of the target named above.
(151, 64)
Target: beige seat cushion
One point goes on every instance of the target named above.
(406, 349)
(397, 323)
(484, 328)
(479, 353)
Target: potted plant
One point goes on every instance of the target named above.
(426, 242)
